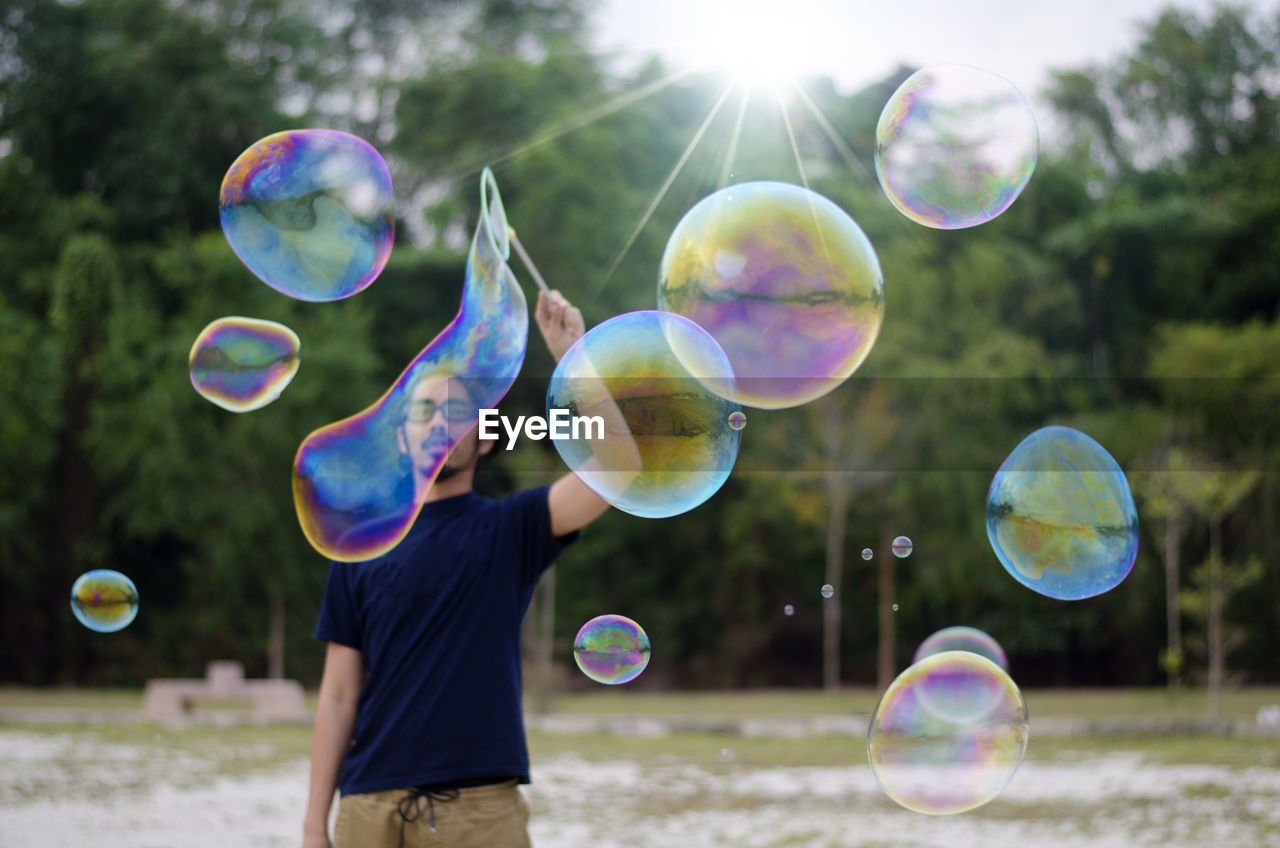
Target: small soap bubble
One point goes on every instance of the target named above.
(955, 146)
(895, 607)
(104, 600)
(901, 547)
(660, 447)
(242, 364)
(961, 638)
(827, 590)
(1060, 515)
(948, 734)
(788, 610)
(867, 554)
(737, 419)
(784, 280)
(611, 649)
(311, 212)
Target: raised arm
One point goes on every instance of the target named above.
(335, 718)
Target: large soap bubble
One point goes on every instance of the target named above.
(784, 280)
(1060, 515)
(358, 483)
(955, 146)
(311, 212)
(656, 439)
(104, 600)
(611, 649)
(242, 364)
(963, 638)
(948, 734)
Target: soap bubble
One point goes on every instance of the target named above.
(737, 419)
(827, 590)
(961, 638)
(788, 610)
(895, 607)
(784, 280)
(645, 376)
(611, 649)
(948, 734)
(358, 483)
(901, 547)
(955, 146)
(310, 212)
(242, 364)
(1060, 515)
(867, 554)
(104, 600)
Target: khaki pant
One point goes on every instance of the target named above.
(494, 816)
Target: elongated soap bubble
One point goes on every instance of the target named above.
(784, 280)
(654, 438)
(242, 364)
(358, 483)
(310, 212)
(948, 734)
(104, 600)
(963, 638)
(1060, 515)
(611, 649)
(955, 146)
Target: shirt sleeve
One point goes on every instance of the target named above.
(339, 621)
(530, 513)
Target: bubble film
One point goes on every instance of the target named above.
(1060, 515)
(827, 590)
(310, 212)
(104, 600)
(737, 419)
(644, 377)
(242, 364)
(866, 553)
(611, 649)
(784, 280)
(788, 610)
(962, 638)
(901, 547)
(948, 734)
(955, 146)
(358, 483)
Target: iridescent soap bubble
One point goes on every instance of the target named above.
(310, 212)
(827, 590)
(784, 280)
(242, 364)
(1060, 515)
(104, 600)
(643, 380)
(737, 419)
(948, 734)
(611, 649)
(962, 638)
(359, 483)
(867, 554)
(955, 146)
(788, 610)
(901, 547)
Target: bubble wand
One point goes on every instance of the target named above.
(524, 257)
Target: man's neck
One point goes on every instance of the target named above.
(458, 484)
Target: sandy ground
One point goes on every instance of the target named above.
(66, 791)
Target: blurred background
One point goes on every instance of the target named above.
(1131, 292)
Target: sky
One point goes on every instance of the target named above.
(856, 42)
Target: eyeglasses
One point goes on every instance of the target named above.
(455, 411)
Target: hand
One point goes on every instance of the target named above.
(560, 322)
(316, 839)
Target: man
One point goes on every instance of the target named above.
(419, 721)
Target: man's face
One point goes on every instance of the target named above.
(440, 411)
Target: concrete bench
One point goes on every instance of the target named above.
(272, 700)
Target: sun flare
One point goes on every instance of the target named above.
(758, 43)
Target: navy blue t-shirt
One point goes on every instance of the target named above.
(437, 621)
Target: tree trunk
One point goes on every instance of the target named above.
(546, 637)
(275, 638)
(887, 640)
(1216, 650)
(840, 489)
(1173, 621)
